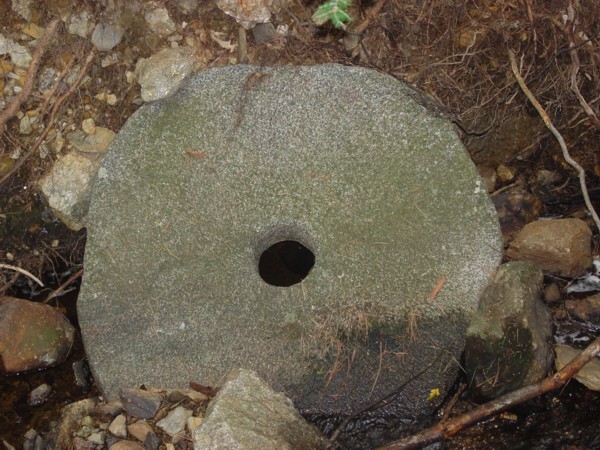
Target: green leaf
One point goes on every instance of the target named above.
(335, 11)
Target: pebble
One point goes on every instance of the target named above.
(158, 19)
(505, 173)
(79, 24)
(263, 32)
(39, 395)
(140, 404)
(587, 309)
(175, 421)
(118, 426)
(25, 125)
(97, 437)
(552, 294)
(88, 126)
(139, 430)
(164, 72)
(106, 36)
(126, 445)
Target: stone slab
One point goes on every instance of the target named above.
(351, 163)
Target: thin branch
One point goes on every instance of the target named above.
(22, 271)
(55, 108)
(62, 287)
(557, 135)
(14, 105)
(444, 430)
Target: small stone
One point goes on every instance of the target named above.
(559, 246)
(552, 294)
(126, 445)
(175, 397)
(193, 423)
(79, 24)
(111, 99)
(139, 430)
(505, 173)
(83, 378)
(140, 404)
(39, 395)
(109, 60)
(175, 421)
(23, 8)
(97, 437)
(88, 126)
(106, 36)
(25, 125)
(516, 208)
(588, 375)
(152, 441)
(263, 32)
(158, 19)
(587, 309)
(118, 426)
(33, 30)
(111, 409)
(247, 13)
(164, 72)
(87, 421)
(187, 6)
(80, 443)
(547, 178)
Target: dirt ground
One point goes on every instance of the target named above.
(457, 51)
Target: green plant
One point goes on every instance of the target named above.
(334, 10)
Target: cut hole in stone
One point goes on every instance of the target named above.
(285, 263)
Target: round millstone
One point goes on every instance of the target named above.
(319, 225)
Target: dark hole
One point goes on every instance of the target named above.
(285, 263)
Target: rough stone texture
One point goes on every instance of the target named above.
(126, 445)
(174, 422)
(61, 435)
(516, 208)
(507, 342)
(588, 375)
(587, 309)
(164, 72)
(39, 395)
(247, 12)
(558, 245)
(139, 403)
(67, 187)
(107, 36)
(158, 19)
(32, 335)
(248, 414)
(345, 160)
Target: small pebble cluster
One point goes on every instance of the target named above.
(141, 419)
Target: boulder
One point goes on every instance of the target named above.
(234, 225)
(507, 341)
(32, 336)
(248, 414)
(562, 246)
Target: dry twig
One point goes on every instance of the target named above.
(22, 271)
(444, 430)
(36, 58)
(557, 135)
(62, 287)
(59, 101)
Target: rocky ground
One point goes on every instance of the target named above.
(60, 109)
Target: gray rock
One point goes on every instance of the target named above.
(79, 24)
(507, 342)
(588, 375)
(248, 414)
(197, 187)
(97, 438)
(118, 426)
(39, 395)
(25, 125)
(32, 335)
(175, 421)
(158, 19)
(19, 55)
(140, 404)
(164, 72)
(83, 377)
(23, 8)
(111, 409)
(107, 36)
(562, 246)
(67, 187)
(186, 6)
(263, 32)
(80, 443)
(152, 441)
